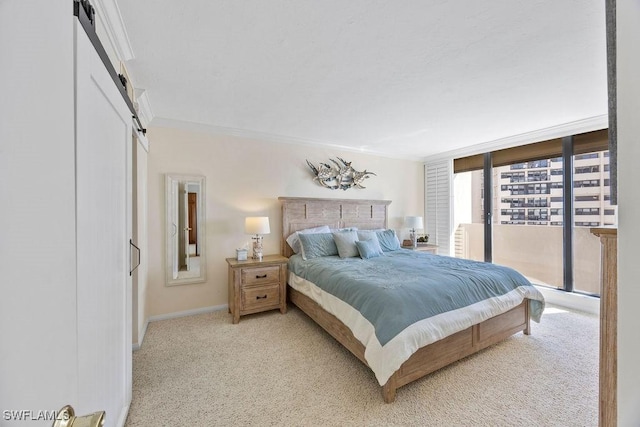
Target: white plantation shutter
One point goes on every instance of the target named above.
(438, 204)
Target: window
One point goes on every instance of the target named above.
(587, 211)
(586, 183)
(535, 216)
(594, 198)
(514, 203)
(537, 176)
(587, 169)
(469, 214)
(537, 189)
(538, 164)
(587, 156)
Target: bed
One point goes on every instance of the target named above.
(398, 342)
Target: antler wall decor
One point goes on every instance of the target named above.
(339, 175)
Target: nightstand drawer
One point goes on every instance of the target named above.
(260, 297)
(251, 276)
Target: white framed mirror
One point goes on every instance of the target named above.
(185, 229)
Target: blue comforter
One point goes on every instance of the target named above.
(404, 287)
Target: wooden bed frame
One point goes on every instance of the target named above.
(300, 213)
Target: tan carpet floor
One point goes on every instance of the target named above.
(274, 369)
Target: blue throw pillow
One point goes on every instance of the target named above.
(367, 249)
(388, 240)
(372, 236)
(317, 245)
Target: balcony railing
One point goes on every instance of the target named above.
(536, 252)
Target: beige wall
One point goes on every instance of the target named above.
(245, 178)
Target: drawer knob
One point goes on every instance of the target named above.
(264, 276)
(261, 297)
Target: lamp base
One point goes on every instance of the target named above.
(413, 236)
(257, 248)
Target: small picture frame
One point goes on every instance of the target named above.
(241, 254)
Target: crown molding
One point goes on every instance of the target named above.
(109, 14)
(264, 136)
(559, 131)
(145, 112)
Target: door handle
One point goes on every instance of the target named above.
(67, 418)
(132, 245)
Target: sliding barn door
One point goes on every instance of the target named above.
(103, 206)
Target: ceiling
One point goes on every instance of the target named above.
(396, 78)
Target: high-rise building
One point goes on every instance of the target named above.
(531, 193)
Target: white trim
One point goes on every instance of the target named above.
(571, 300)
(109, 13)
(185, 313)
(145, 113)
(124, 414)
(572, 128)
(142, 138)
(137, 345)
(268, 137)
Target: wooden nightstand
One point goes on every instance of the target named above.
(424, 248)
(256, 286)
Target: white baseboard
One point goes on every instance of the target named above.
(136, 345)
(175, 315)
(571, 300)
(195, 311)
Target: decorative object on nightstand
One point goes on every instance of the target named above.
(241, 254)
(257, 225)
(256, 286)
(413, 223)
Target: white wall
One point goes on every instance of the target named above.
(245, 178)
(628, 24)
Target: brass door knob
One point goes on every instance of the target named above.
(67, 418)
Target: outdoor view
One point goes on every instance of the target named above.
(528, 218)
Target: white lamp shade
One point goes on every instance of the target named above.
(257, 225)
(413, 222)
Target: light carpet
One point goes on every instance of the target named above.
(274, 369)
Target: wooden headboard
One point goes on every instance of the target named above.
(299, 213)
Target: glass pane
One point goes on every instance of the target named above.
(592, 208)
(527, 226)
(469, 215)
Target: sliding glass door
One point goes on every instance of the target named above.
(592, 208)
(544, 199)
(468, 227)
(524, 235)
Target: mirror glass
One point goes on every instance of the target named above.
(185, 229)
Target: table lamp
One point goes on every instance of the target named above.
(413, 223)
(257, 225)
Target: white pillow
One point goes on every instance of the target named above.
(294, 242)
(346, 243)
